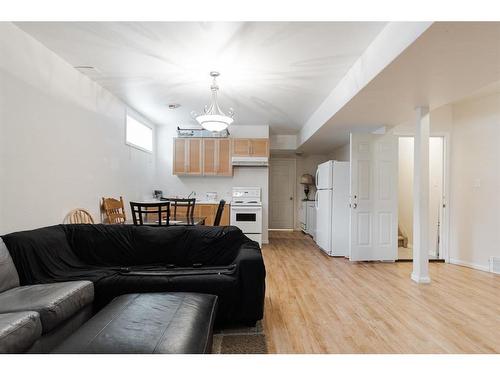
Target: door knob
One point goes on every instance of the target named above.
(355, 203)
(291, 198)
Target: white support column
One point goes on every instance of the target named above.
(420, 272)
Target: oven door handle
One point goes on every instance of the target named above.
(246, 209)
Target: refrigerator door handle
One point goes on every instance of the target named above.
(317, 181)
(316, 200)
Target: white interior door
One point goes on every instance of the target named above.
(374, 197)
(282, 199)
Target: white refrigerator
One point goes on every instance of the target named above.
(332, 207)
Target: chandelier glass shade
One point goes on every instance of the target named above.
(213, 118)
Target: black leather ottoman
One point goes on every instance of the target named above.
(147, 323)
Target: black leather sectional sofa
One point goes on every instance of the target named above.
(59, 276)
(37, 317)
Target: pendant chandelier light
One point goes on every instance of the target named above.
(213, 118)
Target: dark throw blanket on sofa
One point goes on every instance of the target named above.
(123, 259)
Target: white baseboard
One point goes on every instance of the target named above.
(479, 267)
(420, 279)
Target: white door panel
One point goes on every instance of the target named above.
(374, 197)
(364, 229)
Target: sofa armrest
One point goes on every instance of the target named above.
(252, 278)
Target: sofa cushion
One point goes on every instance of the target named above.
(148, 323)
(18, 331)
(8, 274)
(54, 302)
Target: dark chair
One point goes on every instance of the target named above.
(160, 211)
(185, 205)
(218, 214)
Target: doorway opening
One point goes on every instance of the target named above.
(282, 186)
(436, 198)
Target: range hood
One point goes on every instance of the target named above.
(250, 161)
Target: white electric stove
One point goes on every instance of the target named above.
(246, 211)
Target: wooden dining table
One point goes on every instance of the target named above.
(178, 221)
(196, 220)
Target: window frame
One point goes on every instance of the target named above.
(133, 145)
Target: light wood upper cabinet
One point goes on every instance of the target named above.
(187, 156)
(209, 156)
(202, 156)
(195, 161)
(180, 156)
(217, 157)
(241, 147)
(251, 147)
(259, 147)
(224, 165)
(212, 156)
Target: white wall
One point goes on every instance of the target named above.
(283, 142)
(242, 176)
(342, 153)
(62, 139)
(475, 181)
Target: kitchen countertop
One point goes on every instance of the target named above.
(198, 201)
(208, 202)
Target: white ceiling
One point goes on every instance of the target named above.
(271, 72)
(447, 63)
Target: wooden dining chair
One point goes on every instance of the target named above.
(182, 207)
(78, 216)
(218, 214)
(156, 214)
(114, 210)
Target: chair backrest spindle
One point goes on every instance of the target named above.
(79, 216)
(186, 204)
(140, 210)
(114, 210)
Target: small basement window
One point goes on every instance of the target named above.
(139, 135)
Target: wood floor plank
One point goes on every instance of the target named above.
(318, 304)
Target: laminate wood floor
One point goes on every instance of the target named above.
(318, 304)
